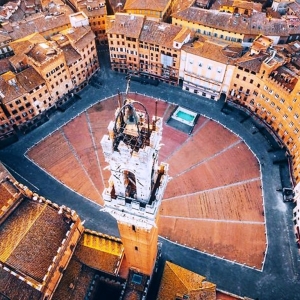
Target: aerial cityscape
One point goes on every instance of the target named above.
(149, 149)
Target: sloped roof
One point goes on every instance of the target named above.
(160, 33)
(212, 50)
(255, 25)
(100, 252)
(129, 25)
(178, 281)
(157, 5)
(14, 288)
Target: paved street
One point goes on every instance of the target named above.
(279, 278)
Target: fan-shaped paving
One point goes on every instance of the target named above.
(213, 201)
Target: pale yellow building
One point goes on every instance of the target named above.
(207, 67)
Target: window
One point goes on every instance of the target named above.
(136, 248)
(133, 227)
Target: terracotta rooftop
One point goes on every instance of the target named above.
(257, 24)
(93, 8)
(129, 25)
(85, 40)
(295, 7)
(252, 62)
(247, 5)
(23, 45)
(286, 76)
(31, 229)
(5, 65)
(42, 52)
(159, 33)
(179, 5)
(100, 252)
(71, 55)
(4, 38)
(178, 281)
(76, 281)
(10, 91)
(182, 35)
(39, 22)
(30, 79)
(158, 5)
(13, 288)
(9, 195)
(220, 52)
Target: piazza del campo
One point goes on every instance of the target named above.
(149, 149)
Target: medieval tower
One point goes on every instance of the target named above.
(137, 182)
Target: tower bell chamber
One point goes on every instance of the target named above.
(137, 182)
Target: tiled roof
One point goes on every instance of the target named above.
(159, 33)
(30, 79)
(39, 22)
(157, 5)
(129, 25)
(44, 236)
(178, 281)
(85, 40)
(71, 55)
(5, 65)
(100, 252)
(8, 195)
(252, 62)
(294, 6)
(42, 52)
(13, 288)
(257, 24)
(75, 34)
(220, 52)
(10, 92)
(247, 5)
(4, 38)
(182, 35)
(33, 228)
(23, 45)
